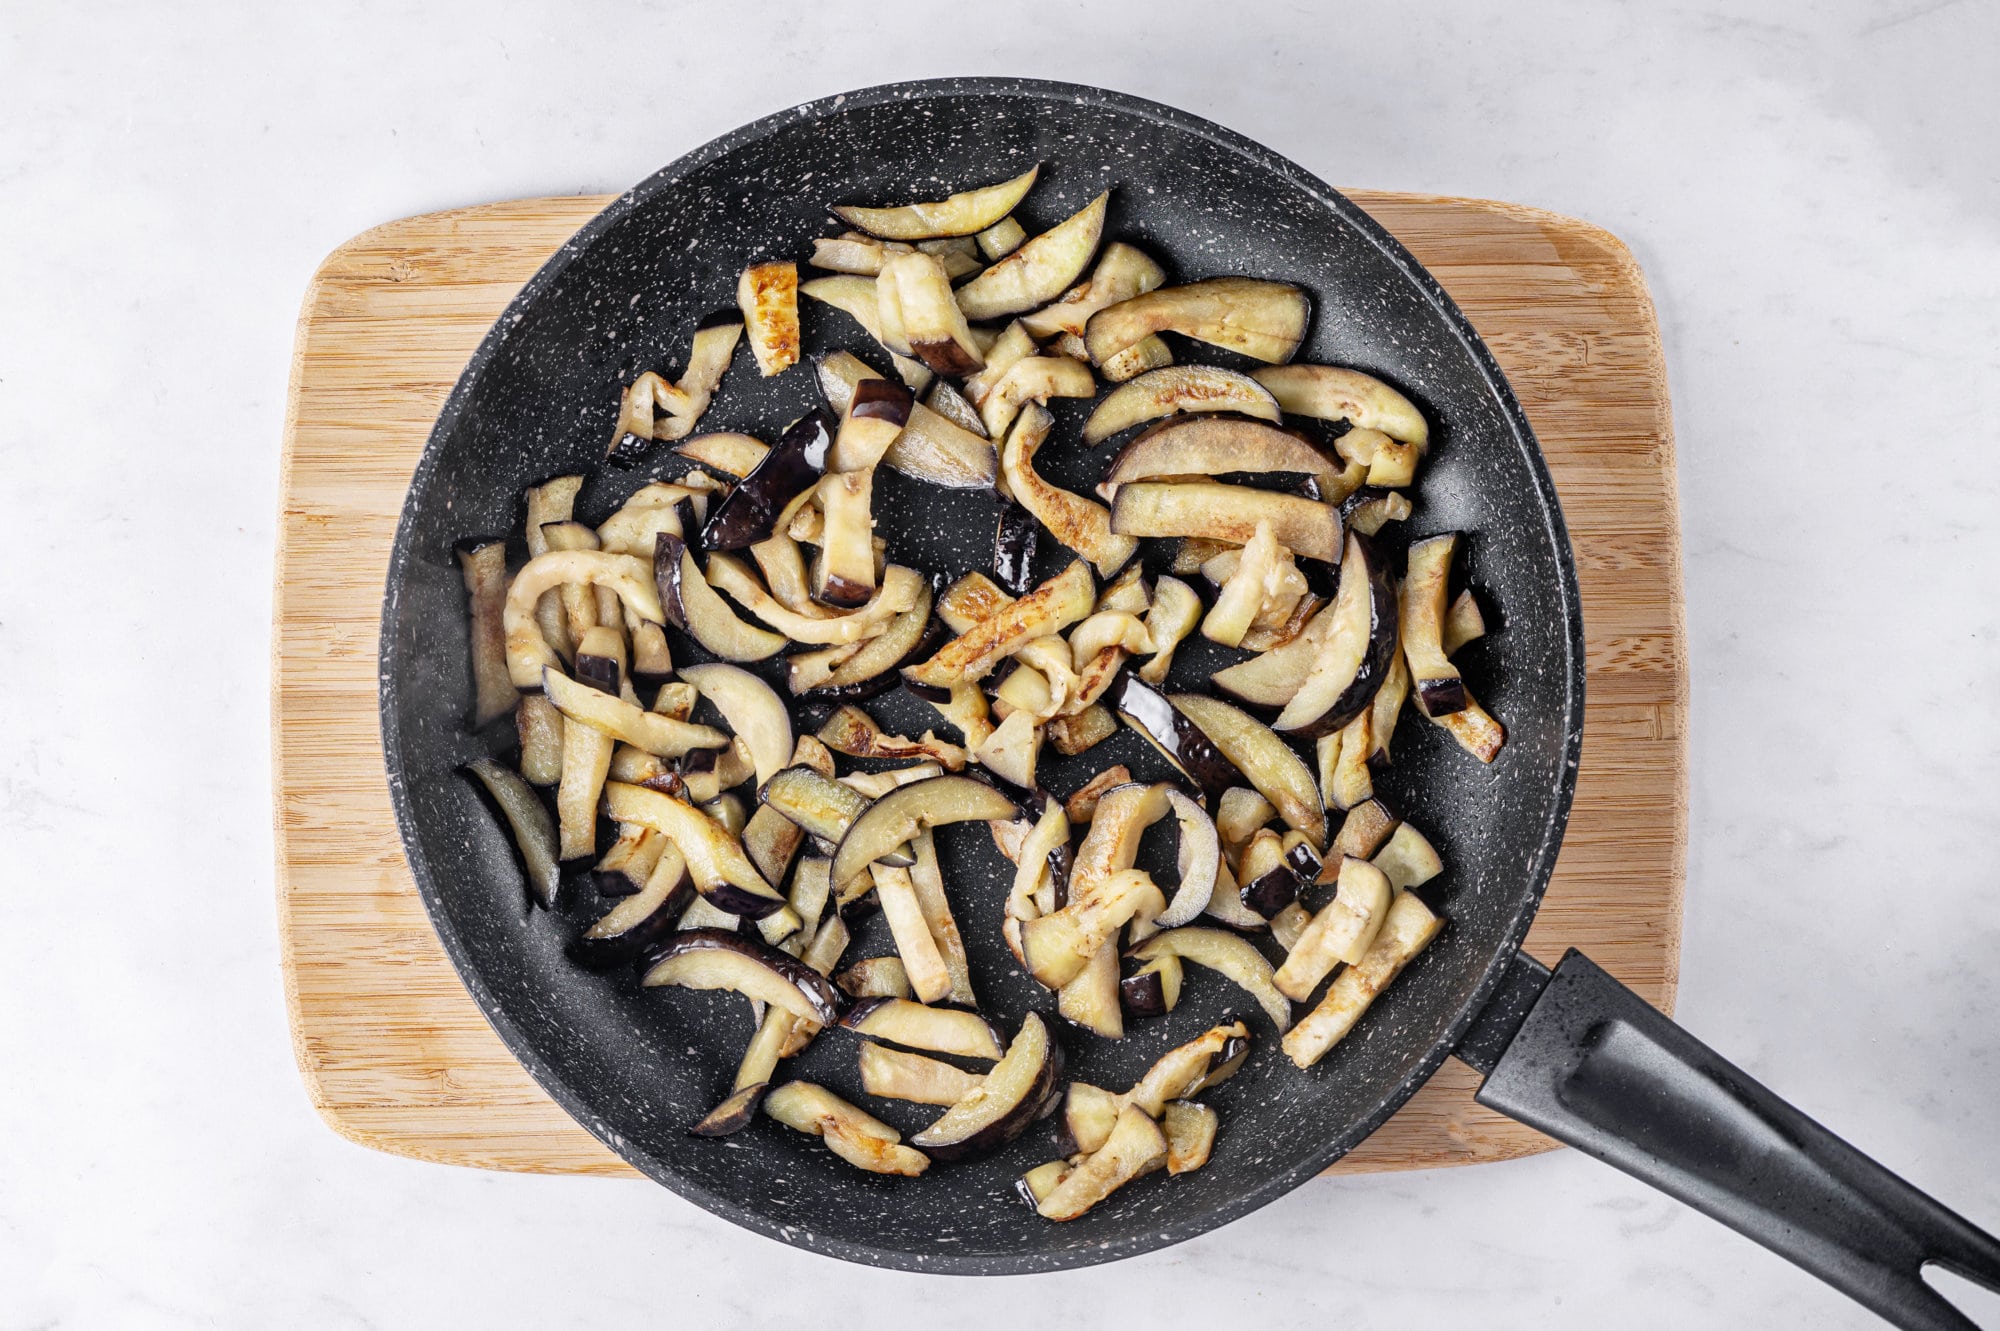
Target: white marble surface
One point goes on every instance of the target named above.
(1815, 203)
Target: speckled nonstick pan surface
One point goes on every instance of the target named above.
(539, 399)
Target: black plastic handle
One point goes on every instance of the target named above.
(1578, 1055)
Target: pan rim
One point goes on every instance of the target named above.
(1336, 1144)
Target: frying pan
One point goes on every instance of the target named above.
(1571, 1052)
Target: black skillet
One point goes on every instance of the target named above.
(1573, 1053)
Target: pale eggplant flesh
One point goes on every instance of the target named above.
(1355, 654)
(725, 959)
(1011, 1096)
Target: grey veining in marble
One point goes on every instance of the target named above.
(1812, 193)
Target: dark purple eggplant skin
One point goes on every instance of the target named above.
(1226, 1062)
(600, 672)
(933, 637)
(1440, 697)
(748, 512)
(668, 550)
(1061, 860)
(604, 955)
(751, 906)
(1015, 1121)
(930, 693)
(1014, 541)
(1360, 499)
(1147, 709)
(1143, 995)
(1026, 1194)
(613, 883)
(630, 450)
(1305, 862)
(826, 1000)
(1024, 798)
(1271, 892)
(1375, 662)
(733, 1114)
(883, 400)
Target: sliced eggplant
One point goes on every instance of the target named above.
(1244, 591)
(1032, 379)
(1475, 729)
(1329, 393)
(1265, 321)
(484, 568)
(1040, 269)
(1001, 239)
(1226, 906)
(1123, 271)
(1088, 1115)
(825, 808)
(753, 710)
(1234, 956)
(1082, 806)
(1289, 925)
(1371, 508)
(1344, 778)
(1148, 353)
(861, 1139)
(895, 1075)
(1013, 552)
(1087, 729)
(749, 513)
(1216, 446)
(875, 416)
(1013, 751)
(1367, 827)
(898, 590)
(626, 866)
(1239, 814)
(1439, 689)
(1135, 1147)
(875, 977)
(616, 938)
(1090, 1000)
(733, 1114)
(1035, 1185)
(720, 869)
(855, 733)
(854, 253)
(1261, 756)
(706, 773)
(937, 1030)
(583, 705)
(962, 706)
(961, 214)
(694, 607)
(1208, 1060)
(932, 322)
(951, 404)
(1080, 524)
(579, 600)
(856, 297)
(586, 762)
(973, 598)
(875, 785)
(1190, 1130)
(1342, 931)
(1408, 858)
(1407, 929)
(721, 959)
(652, 660)
(1274, 677)
(1227, 513)
(1005, 1101)
(930, 448)
(923, 960)
(1352, 654)
(892, 820)
(768, 295)
(1175, 735)
(1154, 989)
(528, 819)
(1050, 608)
(1175, 611)
(1269, 884)
(1178, 389)
(1463, 623)
(733, 455)
(872, 668)
(844, 572)
(539, 727)
(528, 649)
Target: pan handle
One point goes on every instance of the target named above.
(1578, 1055)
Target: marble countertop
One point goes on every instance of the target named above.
(1815, 205)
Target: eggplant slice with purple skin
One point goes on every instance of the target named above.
(1178, 739)
(1174, 390)
(1263, 320)
(965, 213)
(937, 1030)
(1013, 550)
(748, 512)
(1009, 1098)
(1263, 757)
(534, 831)
(1439, 689)
(733, 1114)
(1355, 652)
(722, 959)
(721, 871)
(1216, 446)
(698, 610)
(891, 821)
(1229, 513)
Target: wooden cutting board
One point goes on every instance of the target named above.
(393, 1050)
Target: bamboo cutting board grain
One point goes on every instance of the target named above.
(394, 1053)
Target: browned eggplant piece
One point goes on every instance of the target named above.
(861, 1139)
(856, 297)
(768, 295)
(733, 1114)
(652, 660)
(1263, 320)
(875, 415)
(753, 710)
(1263, 758)
(1216, 446)
(894, 1074)
(528, 819)
(1341, 932)
(579, 600)
(1439, 689)
(937, 1030)
(863, 256)
(1353, 654)
(1367, 826)
(1001, 239)
(1122, 271)
(636, 922)
(1463, 623)
(1344, 776)
(1080, 524)
(1086, 730)
(611, 715)
(1050, 608)
(892, 820)
(749, 512)
(1090, 1000)
(930, 448)
(726, 452)
(1238, 815)
(962, 214)
(721, 871)
(1227, 513)
(1178, 389)
(626, 866)
(973, 598)
(586, 761)
(1475, 729)
(529, 649)
(932, 322)
(1135, 1147)
(1270, 883)
(1232, 955)
(1154, 989)
(951, 404)
(698, 610)
(1190, 1132)
(1371, 507)
(844, 571)
(1330, 393)
(1178, 738)
(876, 977)
(551, 501)
(1003, 1104)
(855, 733)
(483, 564)
(1013, 552)
(1040, 270)
(723, 959)
(770, 839)
(1407, 930)
(911, 637)
(539, 726)
(1032, 379)
(825, 808)
(1082, 806)
(1034, 1186)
